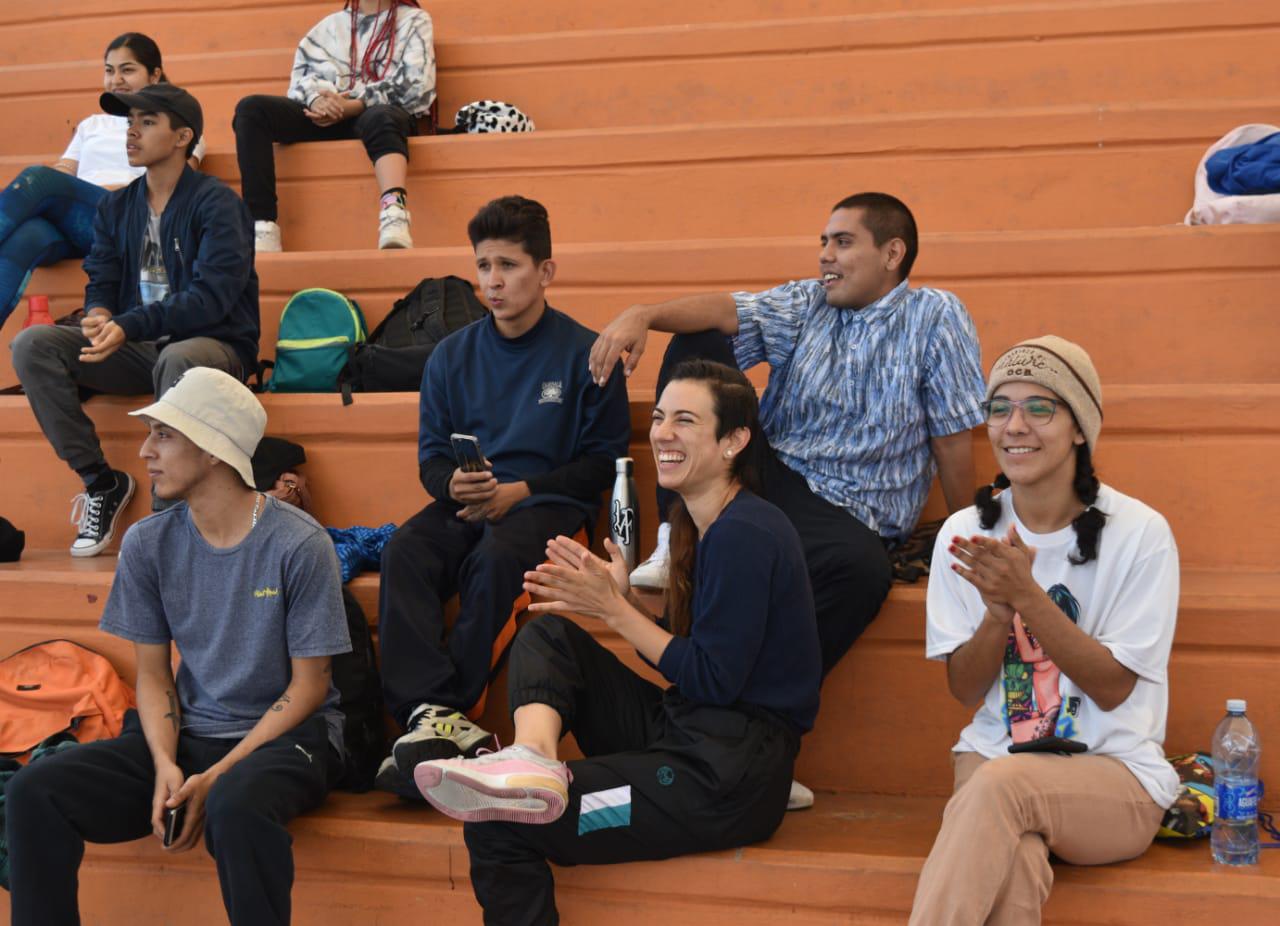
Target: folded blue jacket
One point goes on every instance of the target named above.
(360, 548)
(1246, 170)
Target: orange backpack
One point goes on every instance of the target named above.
(58, 685)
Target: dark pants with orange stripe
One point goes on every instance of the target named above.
(434, 556)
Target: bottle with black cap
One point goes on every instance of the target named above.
(624, 515)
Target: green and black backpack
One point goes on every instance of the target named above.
(318, 328)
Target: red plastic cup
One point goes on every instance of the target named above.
(38, 311)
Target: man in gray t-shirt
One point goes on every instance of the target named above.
(248, 735)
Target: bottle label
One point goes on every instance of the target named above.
(1237, 803)
(623, 523)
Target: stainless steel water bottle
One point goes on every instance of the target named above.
(624, 512)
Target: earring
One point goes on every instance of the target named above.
(728, 453)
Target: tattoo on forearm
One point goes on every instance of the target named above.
(172, 716)
(283, 700)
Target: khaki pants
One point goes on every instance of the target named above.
(990, 862)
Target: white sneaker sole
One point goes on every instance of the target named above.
(476, 798)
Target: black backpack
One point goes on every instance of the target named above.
(393, 358)
(355, 675)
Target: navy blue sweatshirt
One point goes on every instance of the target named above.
(530, 400)
(206, 238)
(754, 636)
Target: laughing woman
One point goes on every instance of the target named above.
(1056, 617)
(46, 213)
(704, 764)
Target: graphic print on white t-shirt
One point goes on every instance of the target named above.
(153, 278)
(1127, 600)
(1034, 706)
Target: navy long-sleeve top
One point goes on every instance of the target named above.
(206, 241)
(754, 636)
(531, 402)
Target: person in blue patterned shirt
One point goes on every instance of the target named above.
(872, 386)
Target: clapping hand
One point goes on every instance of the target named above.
(999, 569)
(577, 580)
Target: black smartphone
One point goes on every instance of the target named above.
(466, 450)
(173, 817)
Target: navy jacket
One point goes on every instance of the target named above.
(532, 403)
(206, 236)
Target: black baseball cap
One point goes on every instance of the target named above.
(155, 98)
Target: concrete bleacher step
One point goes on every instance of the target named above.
(998, 57)
(80, 28)
(851, 859)
(883, 691)
(1144, 287)
(1193, 452)
(1067, 168)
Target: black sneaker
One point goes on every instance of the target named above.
(437, 733)
(96, 514)
(390, 780)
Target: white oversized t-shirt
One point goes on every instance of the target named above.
(98, 150)
(1126, 599)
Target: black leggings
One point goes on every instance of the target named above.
(261, 120)
(666, 776)
(847, 561)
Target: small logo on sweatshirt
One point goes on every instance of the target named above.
(266, 592)
(552, 391)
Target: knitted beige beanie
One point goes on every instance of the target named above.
(1060, 366)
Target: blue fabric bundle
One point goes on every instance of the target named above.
(1246, 170)
(360, 548)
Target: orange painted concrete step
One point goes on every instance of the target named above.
(1060, 167)
(81, 28)
(884, 691)
(850, 859)
(1146, 288)
(1160, 443)
(993, 58)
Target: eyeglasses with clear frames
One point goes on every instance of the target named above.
(1037, 410)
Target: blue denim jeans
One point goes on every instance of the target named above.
(45, 216)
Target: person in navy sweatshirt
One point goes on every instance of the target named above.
(171, 286)
(519, 382)
(705, 764)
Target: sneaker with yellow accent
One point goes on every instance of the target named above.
(437, 732)
(514, 785)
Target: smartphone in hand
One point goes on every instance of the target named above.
(466, 450)
(173, 819)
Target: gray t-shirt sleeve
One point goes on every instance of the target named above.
(134, 608)
(316, 620)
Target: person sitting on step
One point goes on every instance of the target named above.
(871, 383)
(171, 286)
(248, 735)
(518, 381)
(46, 213)
(705, 764)
(367, 72)
(1053, 604)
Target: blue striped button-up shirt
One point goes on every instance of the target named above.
(855, 395)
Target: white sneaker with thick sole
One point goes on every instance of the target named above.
(652, 573)
(266, 238)
(515, 784)
(801, 797)
(393, 228)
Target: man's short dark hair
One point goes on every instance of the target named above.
(886, 217)
(514, 218)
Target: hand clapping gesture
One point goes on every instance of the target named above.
(577, 580)
(999, 569)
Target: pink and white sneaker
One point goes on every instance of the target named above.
(515, 785)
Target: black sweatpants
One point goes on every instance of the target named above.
(664, 776)
(433, 556)
(848, 562)
(102, 791)
(261, 120)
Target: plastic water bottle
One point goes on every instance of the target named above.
(1235, 775)
(37, 311)
(624, 515)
